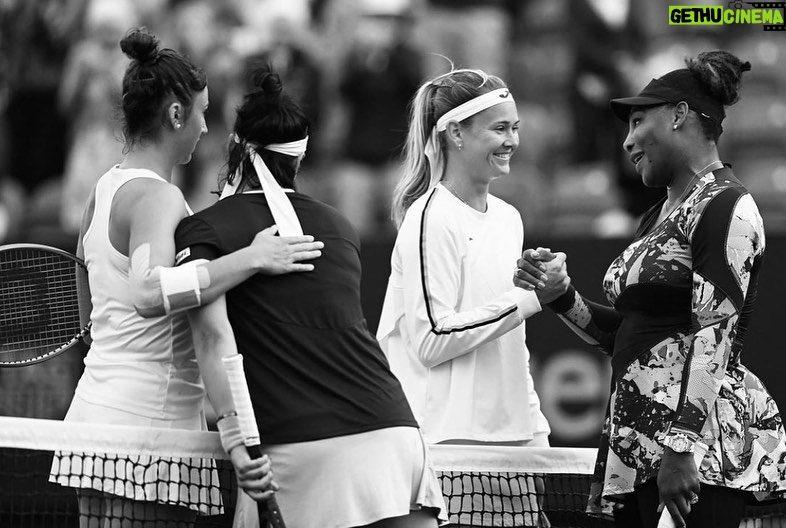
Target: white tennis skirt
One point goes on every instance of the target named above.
(189, 482)
(351, 480)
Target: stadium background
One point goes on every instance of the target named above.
(355, 63)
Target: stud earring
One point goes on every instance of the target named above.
(674, 127)
(177, 125)
(460, 145)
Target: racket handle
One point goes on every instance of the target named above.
(269, 512)
(254, 451)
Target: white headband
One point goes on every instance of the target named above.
(473, 106)
(460, 113)
(283, 213)
(293, 148)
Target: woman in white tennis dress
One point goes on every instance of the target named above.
(142, 369)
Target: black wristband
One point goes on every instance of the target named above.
(564, 302)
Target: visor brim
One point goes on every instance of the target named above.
(623, 106)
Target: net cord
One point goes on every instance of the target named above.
(53, 435)
(505, 459)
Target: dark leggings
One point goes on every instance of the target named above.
(717, 508)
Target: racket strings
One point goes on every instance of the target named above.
(39, 308)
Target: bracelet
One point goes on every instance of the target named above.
(226, 415)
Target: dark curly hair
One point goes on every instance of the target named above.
(154, 77)
(720, 73)
(267, 115)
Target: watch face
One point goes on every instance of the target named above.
(680, 444)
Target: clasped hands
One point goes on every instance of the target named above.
(544, 272)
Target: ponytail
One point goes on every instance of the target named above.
(417, 173)
(432, 100)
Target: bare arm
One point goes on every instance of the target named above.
(159, 289)
(83, 294)
(213, 340)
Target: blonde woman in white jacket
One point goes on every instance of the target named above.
(452, 321)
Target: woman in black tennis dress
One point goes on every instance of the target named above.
(345, 448)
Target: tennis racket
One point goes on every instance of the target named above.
(39, 304)
(269, 512)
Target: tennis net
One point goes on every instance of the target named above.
(175, 478)
(41, 461)
(516, 486)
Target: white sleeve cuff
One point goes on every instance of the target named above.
(527, 302)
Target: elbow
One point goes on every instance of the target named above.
(146, 305)
(428, 361)
(146, 296)
(206, 342)
(210, 345)
(148, 311)
(428, 353)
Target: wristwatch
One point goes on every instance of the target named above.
(679, 443)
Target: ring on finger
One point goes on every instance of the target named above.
(693, 499)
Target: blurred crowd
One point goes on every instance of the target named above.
(354, 64)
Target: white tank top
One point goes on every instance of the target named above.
(143, 366)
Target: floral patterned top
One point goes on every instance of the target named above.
(682, 295)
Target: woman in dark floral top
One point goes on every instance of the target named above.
(682, 294)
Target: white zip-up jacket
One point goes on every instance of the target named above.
(451, 324)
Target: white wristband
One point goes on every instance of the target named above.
(229, 431)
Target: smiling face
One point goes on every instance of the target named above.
(649, 146)
(489, 140)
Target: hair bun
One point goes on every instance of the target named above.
(267, 82)
(721, 72)
(140, 44)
